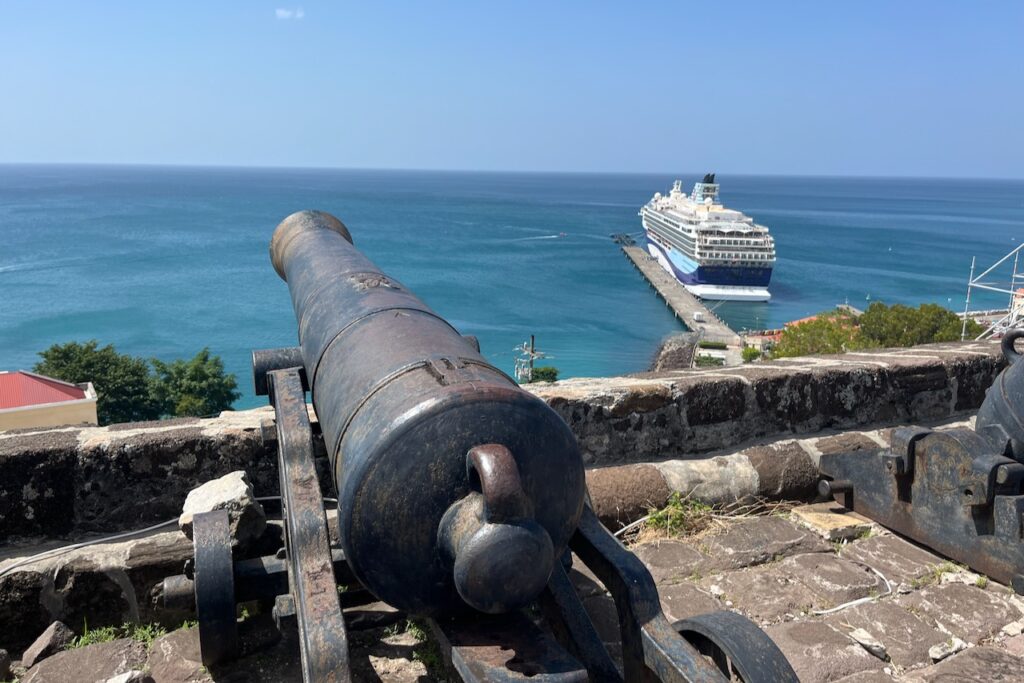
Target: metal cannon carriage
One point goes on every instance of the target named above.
(461, 499)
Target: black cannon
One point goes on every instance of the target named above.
(459, 498)
(958, 491)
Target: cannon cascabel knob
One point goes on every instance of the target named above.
(501, 557)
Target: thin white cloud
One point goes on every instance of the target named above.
(285, 13)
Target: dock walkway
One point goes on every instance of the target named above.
(684, 304)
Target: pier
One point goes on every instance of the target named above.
(685, 305)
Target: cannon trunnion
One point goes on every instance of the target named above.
(459, 499)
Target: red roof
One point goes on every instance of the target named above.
(19, 389)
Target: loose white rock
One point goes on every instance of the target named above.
(233, 493)
(1014, 628)
(870, 643)
(943, 650)
(131, 677)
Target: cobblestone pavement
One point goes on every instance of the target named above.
(915, 616)
(792, 574)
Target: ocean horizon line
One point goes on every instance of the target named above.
(463, 171)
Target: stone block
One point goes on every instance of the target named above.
(685, 600)
(758, 540)
(131, 677)
(867, 677)
(906, 637)
(233, 493)
(761, 593)
(1015, 645)
(832, 521)
(833, 580)
(102, 585)
(976, 664)
(55, 638)
(175, 658)
(897, 560)
(670, 561)
(820, 653)
(96, 662)
(967, 612)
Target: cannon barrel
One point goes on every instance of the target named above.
(454, 485)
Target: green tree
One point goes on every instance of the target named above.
(900, 325)
(544, 373)
(832, 332)
(193, 387)
(122, 382)
(749, 354)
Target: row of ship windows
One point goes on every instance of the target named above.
(673, 236)
(688, 250)
(730, 256)
(739, 243)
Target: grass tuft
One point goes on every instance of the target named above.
(680, 517)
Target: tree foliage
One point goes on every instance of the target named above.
(122, 382)
(832, 332)
(130, 389)
(899, 325)
(194, 387)
(879, 326)
(544, 373)
(749, 354)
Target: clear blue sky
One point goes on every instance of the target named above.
(862, 88)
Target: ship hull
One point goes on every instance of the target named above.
(719, 283)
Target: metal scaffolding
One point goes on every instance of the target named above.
(1013, 316)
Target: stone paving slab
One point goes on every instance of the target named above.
(906, 637)
(763, 595)
(899, 561)
(967, 612)
(867, 677)
(670, 561)
(976, 665)
(832, 521)
(756, 541)
(819, 653)
(831, 579)
(685, 600)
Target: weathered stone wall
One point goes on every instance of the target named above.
(74, 479)
(677, 414)
(66, 481)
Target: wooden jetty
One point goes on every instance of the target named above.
(684, 304)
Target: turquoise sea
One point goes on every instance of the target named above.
(162, 261)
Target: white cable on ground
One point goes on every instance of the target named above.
(631, 526)
(859, 601)
(54, 552)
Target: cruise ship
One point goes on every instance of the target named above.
(715, 252)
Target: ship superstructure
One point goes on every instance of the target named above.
(717, 253)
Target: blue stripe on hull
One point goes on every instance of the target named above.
(689, 273)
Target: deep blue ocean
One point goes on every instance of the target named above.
(162, 261)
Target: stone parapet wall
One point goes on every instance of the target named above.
(678, 414)
(66, 481)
